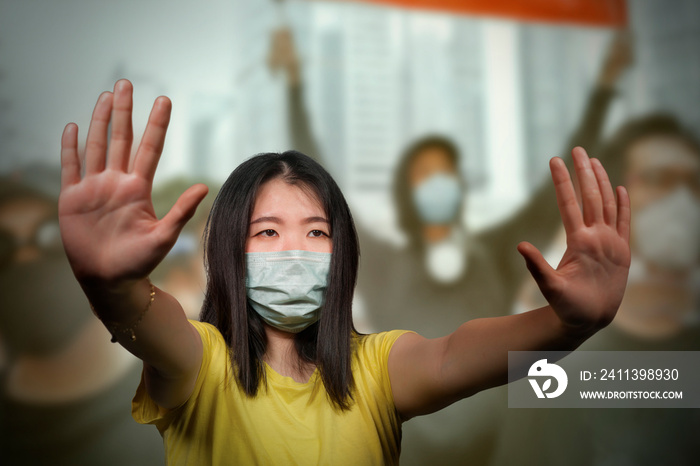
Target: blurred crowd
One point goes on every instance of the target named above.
(65, 390)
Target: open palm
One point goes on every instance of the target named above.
(587, 286)
(109, 228)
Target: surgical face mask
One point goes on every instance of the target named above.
(438, 198)
(667, 232)
(287, 288)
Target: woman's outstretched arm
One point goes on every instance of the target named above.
(113, 239)
(584, 293)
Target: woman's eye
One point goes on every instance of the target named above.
(268, 233)
(317, 233)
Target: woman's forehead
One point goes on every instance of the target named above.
(286, 199)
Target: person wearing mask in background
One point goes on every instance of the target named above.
(659, 162)
(64, 389)
(446, 268)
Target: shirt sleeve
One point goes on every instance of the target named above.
(146, 411)
(374, 355)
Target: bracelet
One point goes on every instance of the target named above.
(115, 327)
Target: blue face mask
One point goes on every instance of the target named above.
(437, 199)
(287, 288)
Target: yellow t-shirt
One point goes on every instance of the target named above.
(287, 422)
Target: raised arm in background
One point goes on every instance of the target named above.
(113, 239)
(283, 56)
(584, 293)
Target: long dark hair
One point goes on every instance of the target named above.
(408, 220)
(328, 342)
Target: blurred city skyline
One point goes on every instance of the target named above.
(508, 92)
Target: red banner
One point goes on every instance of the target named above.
(590, 12)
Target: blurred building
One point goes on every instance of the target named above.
(259, 119)
(377, 77)
(509, 93)
(559, 65)
(667, 74)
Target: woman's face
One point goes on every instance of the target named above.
(287, 217)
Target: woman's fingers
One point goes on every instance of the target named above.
(151, 146)
(70, 161)
(606, 192)
(122, 133)
(590, 194)
(96, 145)
(566, 196)
(623, 213)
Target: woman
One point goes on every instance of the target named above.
(257, 387)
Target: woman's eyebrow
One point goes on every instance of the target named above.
(266, 219)
(315, 220)
(273, 219)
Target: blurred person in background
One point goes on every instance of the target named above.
(65, 390)
(445, 268)
(659, 163)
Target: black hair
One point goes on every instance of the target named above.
(615, 150)
(408, 220)
(329, 342)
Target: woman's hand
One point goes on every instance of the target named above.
(114, 240)
(109, 228)
(587, 287)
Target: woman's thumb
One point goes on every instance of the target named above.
(184, 209)
(540, 270)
